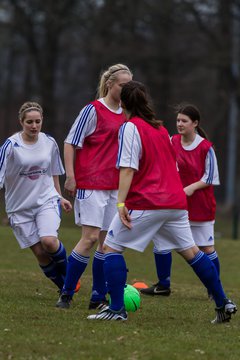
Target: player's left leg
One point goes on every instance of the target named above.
(116, 276)
(26, 231)
(56, 251)
(206, 271)
(47, 265)
(115, 270)
(106, 203)
(203, 235)
(176, 231)
(213, 256)
(99, 288)
(48, 219)
(163, 263)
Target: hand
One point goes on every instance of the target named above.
(66, 205)
(125, 217)
(70, 186)
(189, 190)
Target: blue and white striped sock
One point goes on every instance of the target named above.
(51, 272)
(60, 259)
(214, 258)
(163, 262)
(116, 276)
(99, 289)
(76, 266)
(207, 273)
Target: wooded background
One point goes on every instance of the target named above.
(53, 52)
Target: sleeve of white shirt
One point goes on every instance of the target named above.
(130, 146)
(5, 151)
(56, 162)
(211, 175)
(83, 126)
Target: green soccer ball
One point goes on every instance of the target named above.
(132, 298)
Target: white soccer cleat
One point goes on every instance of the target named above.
(108, 314)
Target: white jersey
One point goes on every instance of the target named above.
(130, 150)
(85, 124)
(26, 171)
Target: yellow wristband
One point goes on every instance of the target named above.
(120, 205)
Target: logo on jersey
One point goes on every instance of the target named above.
(110, 233)
(33, 173)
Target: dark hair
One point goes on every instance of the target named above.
(136, 100)
(194, 114)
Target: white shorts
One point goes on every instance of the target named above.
(95, 208)
(30, 225)
(203, 235)
(168, 229)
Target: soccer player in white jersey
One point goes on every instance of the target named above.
(29, 168)
(198, 170)
(151, 206)
(90, 153)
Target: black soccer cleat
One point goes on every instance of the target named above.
(97, 305)
(64, 301)
(224, 313)
(156, 289)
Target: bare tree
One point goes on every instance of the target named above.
(41, 25)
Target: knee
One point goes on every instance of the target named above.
(207, 249)
(190, 253)
(50, 244)
(108, 249)
(89, 242)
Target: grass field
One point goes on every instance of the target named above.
(176, 327)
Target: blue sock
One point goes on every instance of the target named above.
(75, 268)
(207, 273)
(99, 289)
(163, 261)
(51, 272)
(60, 259)
(214, 258)
(116, 276)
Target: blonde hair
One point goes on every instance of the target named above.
(110, 75)
(29, 106)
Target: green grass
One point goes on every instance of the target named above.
(175, 327)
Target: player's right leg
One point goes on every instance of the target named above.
(176, 232)
(206, 271)
(77, 263)
(163, 263)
